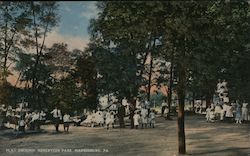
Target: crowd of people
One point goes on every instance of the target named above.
(228, 112)
(100, 118)
(224, 111)
(108, 118)
(22, 118)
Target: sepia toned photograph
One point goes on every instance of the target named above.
(125, 78)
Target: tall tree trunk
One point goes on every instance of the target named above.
(181, 101)
(149, 77)
(181, 91)
(208, 99)
(150, 71)
(170, 82)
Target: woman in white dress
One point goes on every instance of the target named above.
(208, 110)
(152, 119)
(144, 118)
(88, 120)
(229, 113)
(217, 111)
(244, 111)
(110, 119)
(136, 119)
(99, 118)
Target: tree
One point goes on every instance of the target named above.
(14, 21)
(44, 17)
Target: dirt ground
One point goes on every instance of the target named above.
(202, 138)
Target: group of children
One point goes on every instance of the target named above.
(100, 118)
(144, 117)
(22, 118)
(228, 112)
(32, 120)
(107, 118)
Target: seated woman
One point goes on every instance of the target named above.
(88, 121)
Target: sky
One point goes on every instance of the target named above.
(73, 25)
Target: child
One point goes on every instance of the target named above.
(21, 124)
(144, 118)
(208, 110)
(66, 120)
(108, 119)
(136, 119)
(112, 116)
(238, 113)
(152, 119)
(244, 111)
(212, 115)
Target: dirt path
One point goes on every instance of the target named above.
(202, 138)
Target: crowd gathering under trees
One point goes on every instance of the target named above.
(189, 45)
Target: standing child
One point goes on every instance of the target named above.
(112, 117)
(152, 119)
(144, 117)
(136, 119)
(21, 124)
(57, 117)
(66, 121)
(108, 119)
(208, 110)
(244, 111)
(238, 113)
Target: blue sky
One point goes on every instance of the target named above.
(75, 17)
(74, 22)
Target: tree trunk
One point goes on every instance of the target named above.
(181, 100)
(150, 71)
(149, 77)
(171, 82)
(38, 55)
(208, 100)
(132, 111)
(181, 91)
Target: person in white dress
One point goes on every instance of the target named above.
(99, 118)
(229, 113)
(238, 113)
(34, 121)
(244, 111)
(223, 111)
(110, 119)
(136, 119)
(57, 117)
(66, 121)
(88, 120)
(144, 117)
(21, 124)
(152, 119)
(208, 110)
(217, 111)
